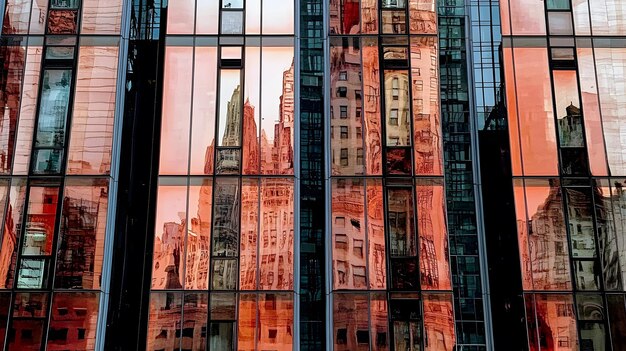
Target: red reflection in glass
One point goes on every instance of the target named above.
(176, 108)
(181, 18)
(348, 233)
(610, 65)
(548, 259)
(276, 237)
(369, 16)
(422, 17)
(351, 327)
(28, 106)
(199, 234)
(11, 79)
(534, 102)
(164, 321)
(427, 141)
(344, 16)
(101, 16)
(433, 236)
(376, 235)
(94, 111)
(275, 322)
(277, 112)
(346, 109)
(246, 322)
(249, 234)
(5, 306)
(439, 322)
(169, 247)
(203, 113)
(83, 229)
(371, 107)
(251, 121)
(73, 321)
(62, 21)
(12, 232)
(527, 17)
(591, 106)
(28, 334)
(40, 221)
(551, 322)
(194, 328)
(16, 17)
(379, 322)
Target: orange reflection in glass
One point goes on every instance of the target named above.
(83, 229)
(91, 135)
(369, 16)
(527, 17)
(551, 322)
(511, 102)
(505, 17)
(251, 121)
(199, 234)
(246, 322)
(433, 236)
(348, 233)
(203, 111)
(30, 91)
(77, 313)
(346, 110)
(371, 109)
(376, 235)
(11, 79)
(548, 257)
(164, 320)
(422, 17)
(249, 234)
(534, 102)
(397, 120)
(276, 237)
(591, 107)
(608, 17)
(379, 329)
(351, 322)
(101, 16)
(275, 322)
(568, 109)
(522, 232)
(41, 219)
(277, 110)
(169, 236)
(611, 66)
(195, 311)
(427, 141)
(208, 11)
(344, 16)
(181, 17)
(176, 109)
(11, 232)
(439, 322)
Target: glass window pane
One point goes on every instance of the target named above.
(439, 322)
(376, 235)
(62, 21)
(608, 17)
(91, 136)
(552, 322)
(587, 274)
(369, 16)
(527, 17)
(371, 108)
(223, 306)
(393, 22)
(16, 17)
(609, 253)
(278, 19)
(82, 232)
(276, 321)
(224, 274)
(164, 321)
(101, 17)
(511, 101)
(249, 234)
(251, 120)
(351, 322)
(203, 112)
(229, 131)
(569, 116)
(177, 96)
(208, 11)
(226, 221)
(582, 21)
(397, 119)
(406, 319)
(247, 322)
(181, 17)
(558, 5)
(560, 23)
(28, 334)
(199, 234)
(232, 4)
(194, 328)
(232, 22)
(81, 311)
(253, 17)
(5, 306)
(53, 108)
(617, 316)
(169, 231)
(401, 222)
(344, 17)
(422, 17)
(40, 221)
(580, 221)
(348, 233)
(11, 79)
(12, 232)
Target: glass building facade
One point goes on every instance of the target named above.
(393, 175)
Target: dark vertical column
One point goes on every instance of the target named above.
(312, 199)
(132, 253)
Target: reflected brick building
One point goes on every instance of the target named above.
(312, 175)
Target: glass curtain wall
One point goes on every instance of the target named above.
(390, 270)
(563, 68)
(224, 246)
(58, 75)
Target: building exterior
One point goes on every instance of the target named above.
(313, 175)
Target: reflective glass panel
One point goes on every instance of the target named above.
(11, 79)
(12, 231)
(226, 220)
(199, 234)
(527, 17)
(344, 16)
(16, 17)
(203, 111)
(617, 317)
(53, 108)
(101, 17)
(275, 322)
(232, 22)
(249, 234)
(608, 17)
(164, 321)
(369, 16)
(351, 327)
(73, 321)
(376, 235)
(229, 131)
(246, 322)
(568, 109)
(194, 328)
(422, 17)
(40, 221)
(439, 322)
(181, 16)
(278, 19)
(371, 98)
(397, 118)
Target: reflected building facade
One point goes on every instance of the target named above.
(312, 175)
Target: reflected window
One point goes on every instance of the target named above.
(232, 22)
